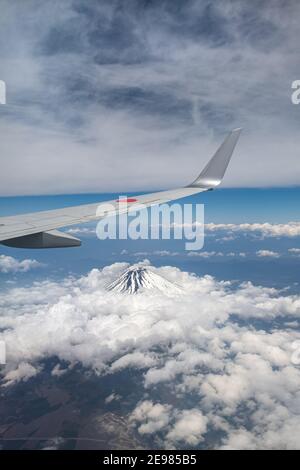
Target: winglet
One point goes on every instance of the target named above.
(212, 175)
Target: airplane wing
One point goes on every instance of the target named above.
(39, 229)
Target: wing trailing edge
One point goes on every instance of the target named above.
(51, 239)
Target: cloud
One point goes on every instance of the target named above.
(156, 253)
(24, 371)
(91, 90)
(112, 397)
(267, 254)
(265, 230)
(150, 417)
(294, 251)
(200, 254)
(83, 231)
(291, 229)
(205, 254)
(136, 360)
(58, 371)
(180, 426)
(212, 254)
(188, 428)
(8, 264)
(220, 348)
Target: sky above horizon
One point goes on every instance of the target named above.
(130, 96)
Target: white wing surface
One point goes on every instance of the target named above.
(39, 229)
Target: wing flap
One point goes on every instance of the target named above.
(51, 239)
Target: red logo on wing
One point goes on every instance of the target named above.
(129, 199)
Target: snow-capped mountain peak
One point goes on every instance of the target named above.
(138, 278)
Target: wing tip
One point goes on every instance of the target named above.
(212, 174)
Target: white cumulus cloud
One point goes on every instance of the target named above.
(8, 264)
(291, 229)
(267, 254)
(294, 251)
(202, 344)
(188, 428)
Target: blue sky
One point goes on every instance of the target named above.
(224, 206)
(277, 205)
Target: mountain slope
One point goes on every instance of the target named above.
(138, 278)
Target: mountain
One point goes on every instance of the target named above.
(138, 278)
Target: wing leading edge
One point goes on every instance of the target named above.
(39, 229)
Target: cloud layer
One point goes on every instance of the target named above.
(225, 351)
(138, 97)
(265, 230)
(291, 229)
(8, 264)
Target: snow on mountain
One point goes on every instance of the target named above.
(138, 278)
